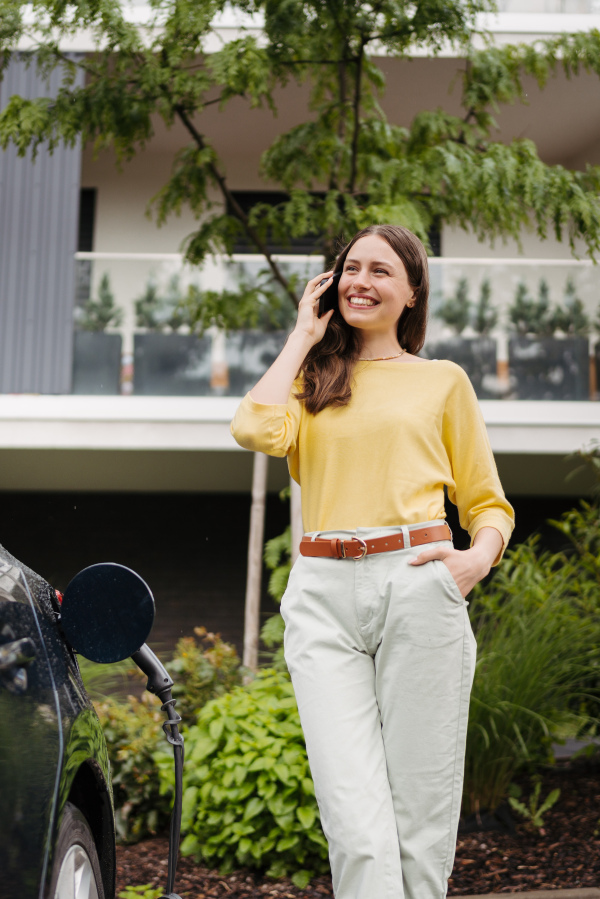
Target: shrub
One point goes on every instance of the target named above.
(278, 558)
(102, 313)
(133, 733)
(455, 311)
(485, 317)
(202, 669)
(248, 795)
(536, 673)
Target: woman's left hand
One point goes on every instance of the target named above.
(467, 566)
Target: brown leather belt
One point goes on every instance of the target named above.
(356, 548)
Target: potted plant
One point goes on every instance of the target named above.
(168, 362)
(231, 337)
(475, 354)
(548, 355)
(96, 353)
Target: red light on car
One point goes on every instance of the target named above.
(59, 597)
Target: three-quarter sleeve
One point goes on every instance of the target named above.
(475, 489)
(264, 428)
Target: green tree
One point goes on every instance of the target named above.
(99, 314)
(455, 310)
(571, 318)
(346, 165)
(529, 316)
(485, 317)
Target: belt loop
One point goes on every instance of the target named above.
(405, 535)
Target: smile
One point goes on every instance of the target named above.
(362, 301)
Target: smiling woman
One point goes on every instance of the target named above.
(381, 653)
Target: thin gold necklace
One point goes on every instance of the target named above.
(383, 358)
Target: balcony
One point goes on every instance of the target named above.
(568, 7)
(523, 329)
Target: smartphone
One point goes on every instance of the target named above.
(329, 299)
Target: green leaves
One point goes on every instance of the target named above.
(532, 811)
(252, 801)
(345, 166)
(537, 625)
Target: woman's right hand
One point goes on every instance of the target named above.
(308, 323)
(275, 385)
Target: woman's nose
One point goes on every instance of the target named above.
(362, 281)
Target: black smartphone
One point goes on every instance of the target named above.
(329, 299)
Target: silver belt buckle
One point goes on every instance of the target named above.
(363, 547)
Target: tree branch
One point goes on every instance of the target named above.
(356, 127)
(236, 208)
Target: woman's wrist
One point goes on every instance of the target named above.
(487, 546)
(301, 341)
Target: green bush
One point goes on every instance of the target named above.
(133, 733)
(248, 795)
(278, 558)
(537, 669)
(202, 668)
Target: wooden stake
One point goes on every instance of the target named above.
(255, 557)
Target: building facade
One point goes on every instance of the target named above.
(132, 423)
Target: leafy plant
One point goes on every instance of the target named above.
(571, 318)
(455, 310)
(537, 668)
(145, 891)
(485, 316)
(278, 558)
(532, 811)
(203, 667)
(133, 733)
(271, 635)
(157, 312)
(99, 314)
(529, 316)
(248, 795)
(148, 307)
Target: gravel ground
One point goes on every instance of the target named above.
(565, 854)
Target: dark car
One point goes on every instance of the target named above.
(57, 836)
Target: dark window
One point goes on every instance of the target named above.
(311, 243)
(435, 239)
(87, 214)
(298, 245)
(85, 243)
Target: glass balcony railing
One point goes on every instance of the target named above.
(572, 7)
(522, 329)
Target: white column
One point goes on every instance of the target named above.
(255, 556)
(296, 518)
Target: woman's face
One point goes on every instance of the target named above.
(373, 288)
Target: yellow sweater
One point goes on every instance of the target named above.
(409, 430)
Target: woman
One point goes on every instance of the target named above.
(377, 639)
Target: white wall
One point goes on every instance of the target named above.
(559, 119)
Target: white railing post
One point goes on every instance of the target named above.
(255, 557)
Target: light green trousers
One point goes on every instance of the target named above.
(382, 658)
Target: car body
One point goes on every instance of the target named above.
(57, 838)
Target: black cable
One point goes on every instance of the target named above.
(175, 738)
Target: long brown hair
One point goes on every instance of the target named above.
(327, 369)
